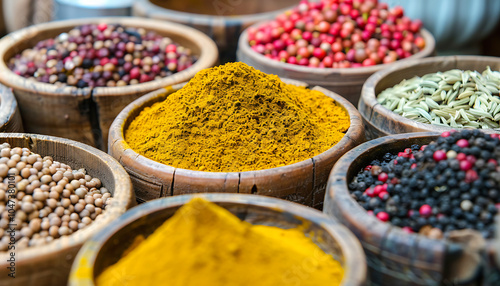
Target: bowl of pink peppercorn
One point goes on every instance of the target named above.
(336, 44)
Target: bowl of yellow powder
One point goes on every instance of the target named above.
(221, 239)
(234, 129)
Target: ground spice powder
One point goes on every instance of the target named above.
(234, 118)
(204, 244)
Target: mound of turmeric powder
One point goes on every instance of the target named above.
(233, 118)
(204, 244)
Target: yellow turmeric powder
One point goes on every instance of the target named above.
(234, 118)
(204, 244)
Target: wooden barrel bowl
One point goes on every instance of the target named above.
(85, 114)
(106, 248)
(380, 121)
(303, 182)
(344, 81)
(10, 118)
(222, 20)
(50, 264)
(395, 257)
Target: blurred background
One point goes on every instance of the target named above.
(459, 26)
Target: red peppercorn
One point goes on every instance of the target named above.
(377, 189)
(383, 177)
(445, 134)
(102, 27)
(461, 156)
(471, 176)
(383, 195)
(370, 192)
(368, 168)
(463, 143)
(135, 73)
(439, 155)
(425, 210)
(383, 216)
(465, 165)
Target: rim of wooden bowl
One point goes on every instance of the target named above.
(8, 106)
(244, 48)
(123, 198)
(355, 270)
(368, 98)
(202, 19)
(207, 58)
(119, 125)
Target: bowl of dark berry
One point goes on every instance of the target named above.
(422, 204)
(71, 78)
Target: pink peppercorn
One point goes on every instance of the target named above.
(463, 143)
(439, 155)
(425, 210)
(383, 216)
(465, 165)
(383, 177)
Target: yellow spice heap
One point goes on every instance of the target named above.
(234, 118)
(204, 244)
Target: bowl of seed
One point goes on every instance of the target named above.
(434, 94)
(422, 204)
(55, 194)
(235, 129)
(221, 239)
(71, 78)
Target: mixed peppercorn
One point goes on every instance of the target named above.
(102, 55)
(453, 183)
(338, 34)
(42, 199)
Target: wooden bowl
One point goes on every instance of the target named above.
(50, 264)
(10, 118)
(395, 257)
(85, 114)
(303, 182)
(344, 81)
(223, 21)
(106, 248)
(380, 121)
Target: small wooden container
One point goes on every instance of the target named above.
(303, 182)
(395, 257)
(344, 81)
(10, 118)
(223, 21)
(85, 114)
(50, 264)
(106, 248)
(380, 121)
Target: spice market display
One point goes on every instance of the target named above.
(270, 123)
